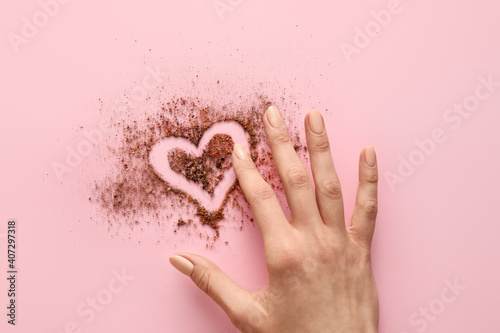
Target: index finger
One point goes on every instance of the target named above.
(259, 194)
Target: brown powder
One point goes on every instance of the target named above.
(207, 169)
(132, 193)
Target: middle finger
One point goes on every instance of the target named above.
(296, 183)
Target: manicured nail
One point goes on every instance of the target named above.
(240, 151)
(370, 157)
(316, 122)
(182, 264)
(274, 117)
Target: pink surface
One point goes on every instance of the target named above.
(411, 80)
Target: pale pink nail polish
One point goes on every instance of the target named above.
(182, 264)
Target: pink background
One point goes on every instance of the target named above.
(441, 223)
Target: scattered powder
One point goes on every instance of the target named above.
(132, 193)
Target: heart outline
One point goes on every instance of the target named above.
(158, 158)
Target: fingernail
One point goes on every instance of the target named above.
(370, 157)
(316, 122)
(240, 151)
(274, 117)
(182, 264)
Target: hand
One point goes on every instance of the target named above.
(320, 275)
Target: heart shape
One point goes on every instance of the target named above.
(158, 157)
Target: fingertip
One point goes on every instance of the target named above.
(316, 122)
(272, 108)
(274, 117)
(182, 264)
(240, 152)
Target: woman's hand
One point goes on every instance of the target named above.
(320, 275)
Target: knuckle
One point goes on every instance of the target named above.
(370, 208)
(321, 145)
(371, 178)
(285, 258)
(281, 137)
(262, 193)
(331, 188)
(297, 176)
(288, 262)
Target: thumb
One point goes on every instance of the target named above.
(233, 299)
